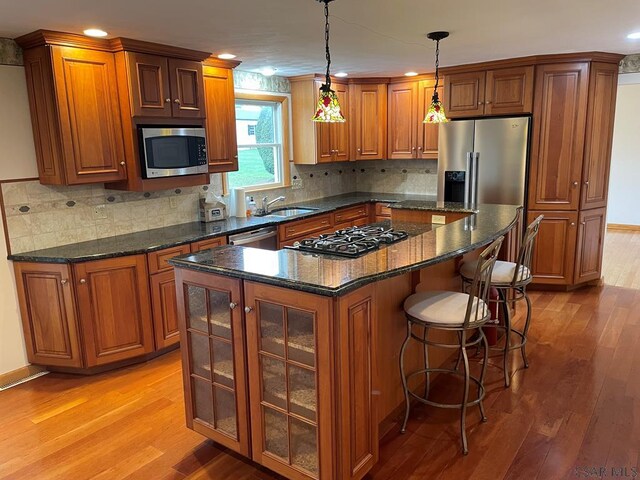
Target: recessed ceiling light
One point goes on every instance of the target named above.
(634, 36)
(268, 71)
(411, 74)
(341, 74)
(226, 56)
(95, 32)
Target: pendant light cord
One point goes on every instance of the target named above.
(437, 65)
(326, 39)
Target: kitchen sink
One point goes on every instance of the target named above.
(290, 212)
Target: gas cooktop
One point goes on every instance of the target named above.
(351, 242)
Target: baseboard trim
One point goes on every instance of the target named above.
(19, 374)
(623, 227)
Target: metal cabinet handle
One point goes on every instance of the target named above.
(176, 101)
(233, 305)
(82, 281)
(64, 281)
(248, 309)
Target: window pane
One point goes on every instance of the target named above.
(257, 166)
(255, 123)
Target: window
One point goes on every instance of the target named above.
(261, 142)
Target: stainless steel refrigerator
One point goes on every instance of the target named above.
(484, 161)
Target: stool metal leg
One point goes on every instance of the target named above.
(426, 364)
(507, 335)
(465, 398)
(485, 360)
(459, 352)
(404, 378)
(525, 331)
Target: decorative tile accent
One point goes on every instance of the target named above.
(10, 52)
(630, 64)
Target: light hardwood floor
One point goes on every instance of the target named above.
(578, 406)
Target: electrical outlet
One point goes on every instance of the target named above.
(100, 212)
(173, 202)
(438, 219)
(296, 184)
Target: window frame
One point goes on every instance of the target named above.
(283, 100)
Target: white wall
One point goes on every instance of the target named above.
(17, 160)
(624, 183)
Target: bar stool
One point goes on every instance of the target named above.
(457, 312)
(511, 278)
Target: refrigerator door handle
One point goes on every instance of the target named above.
(468, 180)
(474, 178)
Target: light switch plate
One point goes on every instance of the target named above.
(438, 219)
(100, 212)
(173, 202)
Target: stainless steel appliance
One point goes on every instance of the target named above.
(351, 242)
(170, 152)
(265, 238)
(484, 161)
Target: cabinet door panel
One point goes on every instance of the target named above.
(222, 144)
(591, 232)
(206, 244)
(558, 136)
(555, 248)
(165, 310)
(340, 131)
(187, 88)
(600, 117)
(114, 307)
(47, 307)
(427, 132)
(509, 91)
(369, 121)
(402, 111)
(464, 94)
(91, 128)
(149, 85)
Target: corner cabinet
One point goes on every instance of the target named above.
(75, 114)
(309, 411)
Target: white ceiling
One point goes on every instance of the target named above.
(369, 37)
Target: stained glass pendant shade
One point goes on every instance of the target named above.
(435, 113)
(328, 108)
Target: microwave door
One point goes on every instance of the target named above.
(169, 152)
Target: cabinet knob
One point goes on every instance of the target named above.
(233, 305)
(122, 163)
(176, 101)
(586, 183)
(420, 148)
(488, 102)
(583, 223)
(167, 100)
(573, 224)
(248, 309)
(359, 150)
(64, 281)
(575, 184)
(480, 103)
(235, 156)
(82, 281)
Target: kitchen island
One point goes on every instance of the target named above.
(290, 358)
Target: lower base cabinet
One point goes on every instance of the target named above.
(591, 230)
(302, 405)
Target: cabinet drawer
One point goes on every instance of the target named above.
(158, 261)
(352, 213)
(206, 244)
(305, 227)
(383, 210)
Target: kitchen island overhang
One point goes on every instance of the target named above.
(291, 359)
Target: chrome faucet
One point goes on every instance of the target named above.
(266, 203)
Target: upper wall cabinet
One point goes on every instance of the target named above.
(368, 121)
(503, 91)
(165, 87)
(318, 142)
(73, 97)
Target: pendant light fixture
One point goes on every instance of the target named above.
(435, 113)
(328, 108)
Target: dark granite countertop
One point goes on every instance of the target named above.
(333, 276)
(159, 238)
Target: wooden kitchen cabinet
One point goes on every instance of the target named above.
(591, 231)
(114, 309)
(318, 142)
(75, 113)
(213, 358)
(47, 307)
(368, 121)
(555, 249)
(219, 100)
(501, 91)
(427, 137)
(165, 87)
(557, 146)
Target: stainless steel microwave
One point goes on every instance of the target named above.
(170, 152)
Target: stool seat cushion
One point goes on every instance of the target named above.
(444, 308)
(502, 272)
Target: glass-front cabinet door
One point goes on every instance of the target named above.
(213, 358)
(289, 379)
